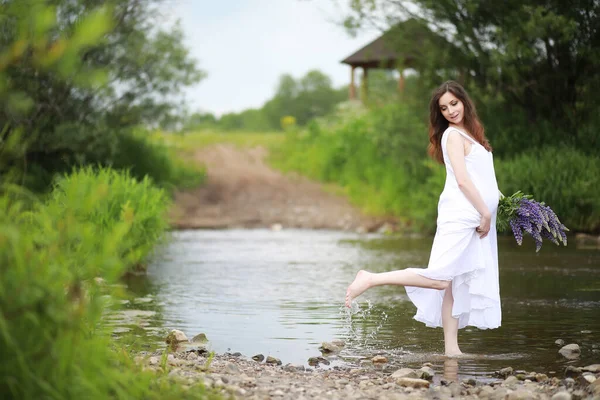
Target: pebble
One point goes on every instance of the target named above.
(200, 338)
(511, 380)
(314, 361)
(541, 377)
(562, 396)
(244, 378)
(293, 368)
(327, 347)
(273, 360)
(595, 368)
(571, 371)
(521, 394)
(176, 336)
(485, 391)
(413, 383)
(404, 373)
(570, 351)
(590, 378)
(232, 369)
(426, 373)
(379, 359)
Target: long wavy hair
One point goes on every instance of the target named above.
(438, 124)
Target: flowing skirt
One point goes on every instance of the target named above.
(459, 255)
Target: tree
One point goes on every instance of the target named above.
(536, 60)
(83, 73)
(283, 101)
(309, 97)
(199, 120)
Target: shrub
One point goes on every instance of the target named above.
(143, 156)
(53, 343)
(139, 203)
(379, 158)
(564, 178)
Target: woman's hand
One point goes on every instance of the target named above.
(484, 226)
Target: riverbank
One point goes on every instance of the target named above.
(237, 376)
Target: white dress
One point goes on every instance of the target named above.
(458, 253)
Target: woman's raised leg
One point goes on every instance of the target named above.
(450, 325)
(365, 280)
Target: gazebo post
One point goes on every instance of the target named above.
(352, 87)
(364, 85)
(401, 82)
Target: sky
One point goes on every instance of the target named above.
(244, 46)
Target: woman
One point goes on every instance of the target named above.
(460, 285)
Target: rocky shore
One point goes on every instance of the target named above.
(260, 377)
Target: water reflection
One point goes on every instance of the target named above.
(451, 369)
(281, 293)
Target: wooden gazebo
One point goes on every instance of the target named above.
(384, 52)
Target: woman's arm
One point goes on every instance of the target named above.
(456, 154)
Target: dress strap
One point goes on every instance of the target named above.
(463, 134)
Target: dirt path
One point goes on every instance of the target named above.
(242, 191)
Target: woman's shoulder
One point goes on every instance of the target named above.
(459, 132)
(448, 131)
(451, 129)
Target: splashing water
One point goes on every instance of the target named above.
(356, 314)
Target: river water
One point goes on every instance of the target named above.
(281, 293)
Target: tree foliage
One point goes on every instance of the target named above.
(310, 96)
(77, 73)
(534, 62)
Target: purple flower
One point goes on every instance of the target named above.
(516, 231)
(524, 214)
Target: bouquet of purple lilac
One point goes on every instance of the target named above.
(521, 213)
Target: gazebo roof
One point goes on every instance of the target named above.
(378, 53)
(384, 52)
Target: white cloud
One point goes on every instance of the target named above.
(245, 45)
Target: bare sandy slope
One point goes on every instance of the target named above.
(242, 191)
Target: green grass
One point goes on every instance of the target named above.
(53, 340)
(138, 202)
(191, 141)
(379, 160)
(144, 155)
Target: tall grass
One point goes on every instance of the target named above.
(188, 142)
(52, 341)
(564, 178)
(379, 158)
(124, 198)
(144, 156)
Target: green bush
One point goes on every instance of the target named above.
(379, 158)
(564, 178)
(142, 205)
(144, 157)
(126, 149)
(53, 344)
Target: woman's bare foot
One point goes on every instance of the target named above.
(454, 353)
(361, 283)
